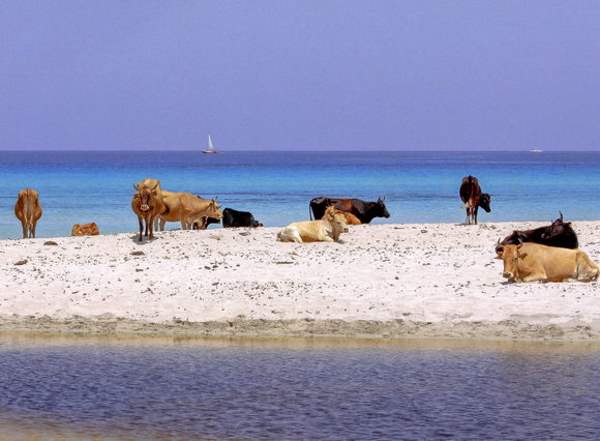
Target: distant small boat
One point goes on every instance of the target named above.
(211, 148)
(535, 151)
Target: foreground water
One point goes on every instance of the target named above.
(419, 187)
(201, 391)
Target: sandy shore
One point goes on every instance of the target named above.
(391, 281)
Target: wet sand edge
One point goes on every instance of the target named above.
(367, 330)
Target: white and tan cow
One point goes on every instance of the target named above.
(530, 262)
(327, 229)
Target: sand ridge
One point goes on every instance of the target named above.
(390, 281)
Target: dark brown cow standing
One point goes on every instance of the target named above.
(471, 195)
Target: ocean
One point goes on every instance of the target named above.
(80, 187)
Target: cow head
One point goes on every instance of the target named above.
(557, 228)
(214, 209)
(337, 220)
(147, 195)
(510, 256)
(380, 208)
(484, 202)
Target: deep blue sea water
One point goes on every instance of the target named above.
(79, 187)
(189, 392)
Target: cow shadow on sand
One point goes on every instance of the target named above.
(136, 239)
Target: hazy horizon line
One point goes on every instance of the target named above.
(137, 150)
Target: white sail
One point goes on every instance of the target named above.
(211, 147)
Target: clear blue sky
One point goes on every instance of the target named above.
(300, 74)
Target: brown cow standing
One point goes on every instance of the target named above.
(147, 205)
(28, 210)
(471, 195)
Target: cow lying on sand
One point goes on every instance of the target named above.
(234, 218)
(327, 229)
(28, 210)
(350, 218)
(85, 230)
(530, 262)
(558, 234)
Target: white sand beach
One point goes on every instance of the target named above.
(390, 281)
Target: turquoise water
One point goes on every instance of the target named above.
(180, 391)
(79, 187)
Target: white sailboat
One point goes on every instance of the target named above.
(211, 148)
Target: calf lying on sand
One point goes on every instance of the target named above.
(530, 262)
(234, 218)
(85, 230)
(350, 218)
(327, 229)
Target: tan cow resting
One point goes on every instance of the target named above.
(188, 209)
(85, 230)
(327, 229)
(350, 218)
(28, 210)
(530, 262)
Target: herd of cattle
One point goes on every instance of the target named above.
(549, 253)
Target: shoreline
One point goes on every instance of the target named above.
(384, 282)
(360, 330)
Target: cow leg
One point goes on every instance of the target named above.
(535, 278)
(146, 226)
(475, 210)
(468, 218)
(296, 236)
(151, 228)
(32, 230)
(141, 227)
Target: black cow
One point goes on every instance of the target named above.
(364, 211)
(471, 195)
(234, 218)
(209, 220)
(558, 234)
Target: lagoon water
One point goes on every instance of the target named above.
(198, 391)
(78, 187)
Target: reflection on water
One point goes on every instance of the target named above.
(187, 391)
